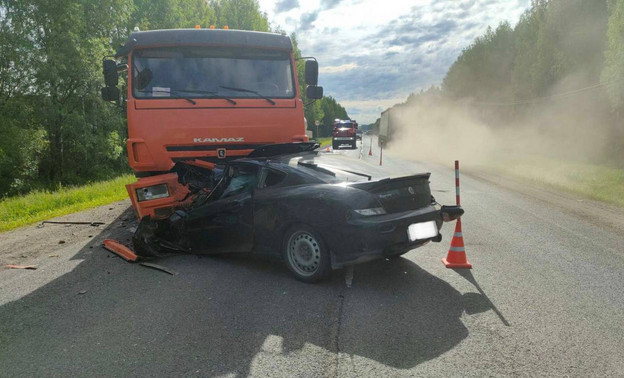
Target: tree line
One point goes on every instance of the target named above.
(564, 58)
(54, 128)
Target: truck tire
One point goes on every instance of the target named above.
(334, 146)
(305, 254)
(354, 145)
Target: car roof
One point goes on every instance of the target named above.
(176, 37)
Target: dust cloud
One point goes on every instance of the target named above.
(566, 125)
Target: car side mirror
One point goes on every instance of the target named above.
(110, 94)
(111, 77)
(311, 72)
(314, 92)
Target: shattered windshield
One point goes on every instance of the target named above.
(208, 71)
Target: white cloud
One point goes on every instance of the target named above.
(391, 48)
(340, 68)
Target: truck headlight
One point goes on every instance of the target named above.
(371, 211)
(152, 192)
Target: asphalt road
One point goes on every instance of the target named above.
(544, 299)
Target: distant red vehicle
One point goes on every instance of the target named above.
(344, 133)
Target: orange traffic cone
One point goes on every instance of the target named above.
(327, 149)
(456, 257)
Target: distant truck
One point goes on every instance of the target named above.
(385, 127)
(344, 132)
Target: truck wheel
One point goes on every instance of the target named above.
(334, 146)
(305, 254)
(354, 145)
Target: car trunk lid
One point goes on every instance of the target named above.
(401, 193)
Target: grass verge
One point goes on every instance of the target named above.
(41, 205)
(597, 182)
(324, 141)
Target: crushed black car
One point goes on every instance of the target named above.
(315, 211)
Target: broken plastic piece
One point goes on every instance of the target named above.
(120, 250)
(30, 267)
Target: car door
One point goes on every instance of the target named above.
(226, 224)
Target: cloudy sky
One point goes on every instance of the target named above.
(373, 53)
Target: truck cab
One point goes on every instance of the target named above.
(344, 132)
(199, 97)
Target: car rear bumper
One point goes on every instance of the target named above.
(367, 238)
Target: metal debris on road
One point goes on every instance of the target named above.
(93, 224)
(29, 267)
(159, 267)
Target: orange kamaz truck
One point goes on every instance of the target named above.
(197, 97)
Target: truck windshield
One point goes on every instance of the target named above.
(210, 71)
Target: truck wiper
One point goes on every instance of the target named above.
(172, 92)
(211, 94)
(249, 91)
(175, 92)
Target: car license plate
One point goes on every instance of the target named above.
(424, 230)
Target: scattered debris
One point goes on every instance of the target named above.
(82, 292)
(120, 250)
(61, 241)
(29, 267)
(53, 256)
(158, 267)
(349, 276)
(93, 224)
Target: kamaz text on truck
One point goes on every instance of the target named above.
(196, 97)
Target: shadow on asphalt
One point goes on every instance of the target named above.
(231, 315)
(481, 299)
(400, 315)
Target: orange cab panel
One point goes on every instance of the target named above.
(160, 205)
(159, 137)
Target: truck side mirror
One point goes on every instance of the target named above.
(314, 92)
(311, 72)
(110, 94)
(109, 68)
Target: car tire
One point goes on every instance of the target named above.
(305, 254)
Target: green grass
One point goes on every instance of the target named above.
(41, 205)
(597, 182)
(324, 141)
